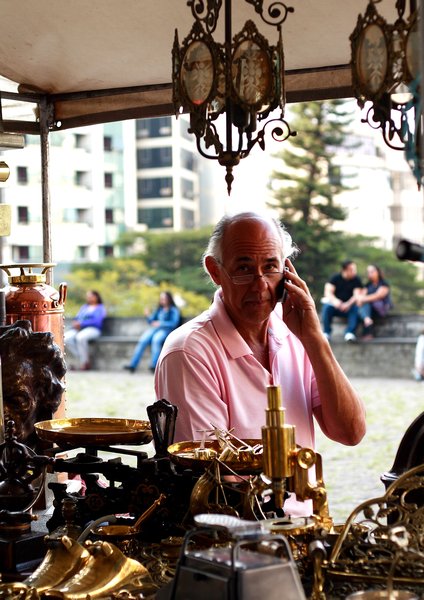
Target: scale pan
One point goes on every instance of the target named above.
(94, 431)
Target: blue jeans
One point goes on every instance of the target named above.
(366, 311)
(329, 311)
(151, 337)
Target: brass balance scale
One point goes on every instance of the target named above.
(161, 549)
(168, 490)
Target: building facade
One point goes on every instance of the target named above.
(108, 179)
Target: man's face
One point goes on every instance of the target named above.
(250, 246)
(350, 271)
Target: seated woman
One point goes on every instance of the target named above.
(86, 326)
(162, 321)
(374, 301)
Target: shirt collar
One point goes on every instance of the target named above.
(233, 342)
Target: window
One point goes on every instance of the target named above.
(156, 218)
(107, 143)
(22, 174)
(187, 218)
(81, 215)
(23, 214)
(107, 250)
(187, 160)
(82, 178)
(23, 252)
(155, 127)
(108, 180)
(149, 158)
(187, 188)
(82, 141)
(82, 252)
(334, 175)
(109, 217)
(154, 187)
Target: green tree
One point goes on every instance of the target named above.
(310, 178)
(175, 258)
(127, 288)
(307, 184)
(305, 191)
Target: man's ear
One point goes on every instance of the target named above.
(213, 269)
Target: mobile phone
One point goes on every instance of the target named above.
(280, 290)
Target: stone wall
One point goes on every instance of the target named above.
(390, 354)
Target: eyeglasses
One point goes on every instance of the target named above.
(271, 277)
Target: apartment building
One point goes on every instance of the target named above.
(167, 174)
(103, 180)
(147, 174)
(92, 195)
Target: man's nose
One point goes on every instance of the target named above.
(259, 282)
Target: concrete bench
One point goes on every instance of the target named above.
(389, 354)
(395, 325)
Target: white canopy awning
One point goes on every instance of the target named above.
(106, 60)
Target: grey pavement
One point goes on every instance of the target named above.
(351, 474)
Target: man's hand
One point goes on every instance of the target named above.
(76, 325)
(344, 306)
(299, 312)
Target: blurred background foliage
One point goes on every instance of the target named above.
(127, 289)
(305, 187)
(128, 286)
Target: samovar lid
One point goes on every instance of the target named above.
(29, 276)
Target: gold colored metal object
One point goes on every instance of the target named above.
(382, 595)
(286, 465)
(381, 543)
(64, 558)
(4, 171)
(128, 530)
(94, 431)
(17, 591)
(279, 445)
(198, 455)
(107, 571)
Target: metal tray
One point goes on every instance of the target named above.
(94, 431)
(184, 454)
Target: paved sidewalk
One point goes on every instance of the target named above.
(351, 474)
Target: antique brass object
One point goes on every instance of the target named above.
(94, 431)
(64, 558)
(381, 543)
(125, 531)
(17, 591)
(29, 297)
(107, 571)
(197, 455)
(382, 595)
(286, 465)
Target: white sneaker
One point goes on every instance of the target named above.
(350, 337)
(327, 336)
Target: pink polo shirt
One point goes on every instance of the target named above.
(209, 372)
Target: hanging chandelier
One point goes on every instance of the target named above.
(385, 72)
(241, 78)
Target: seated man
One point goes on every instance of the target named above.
(340, 296)
(216, 367)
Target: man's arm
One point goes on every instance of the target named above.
(330, 296)
(379, 294)
(341, 414)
